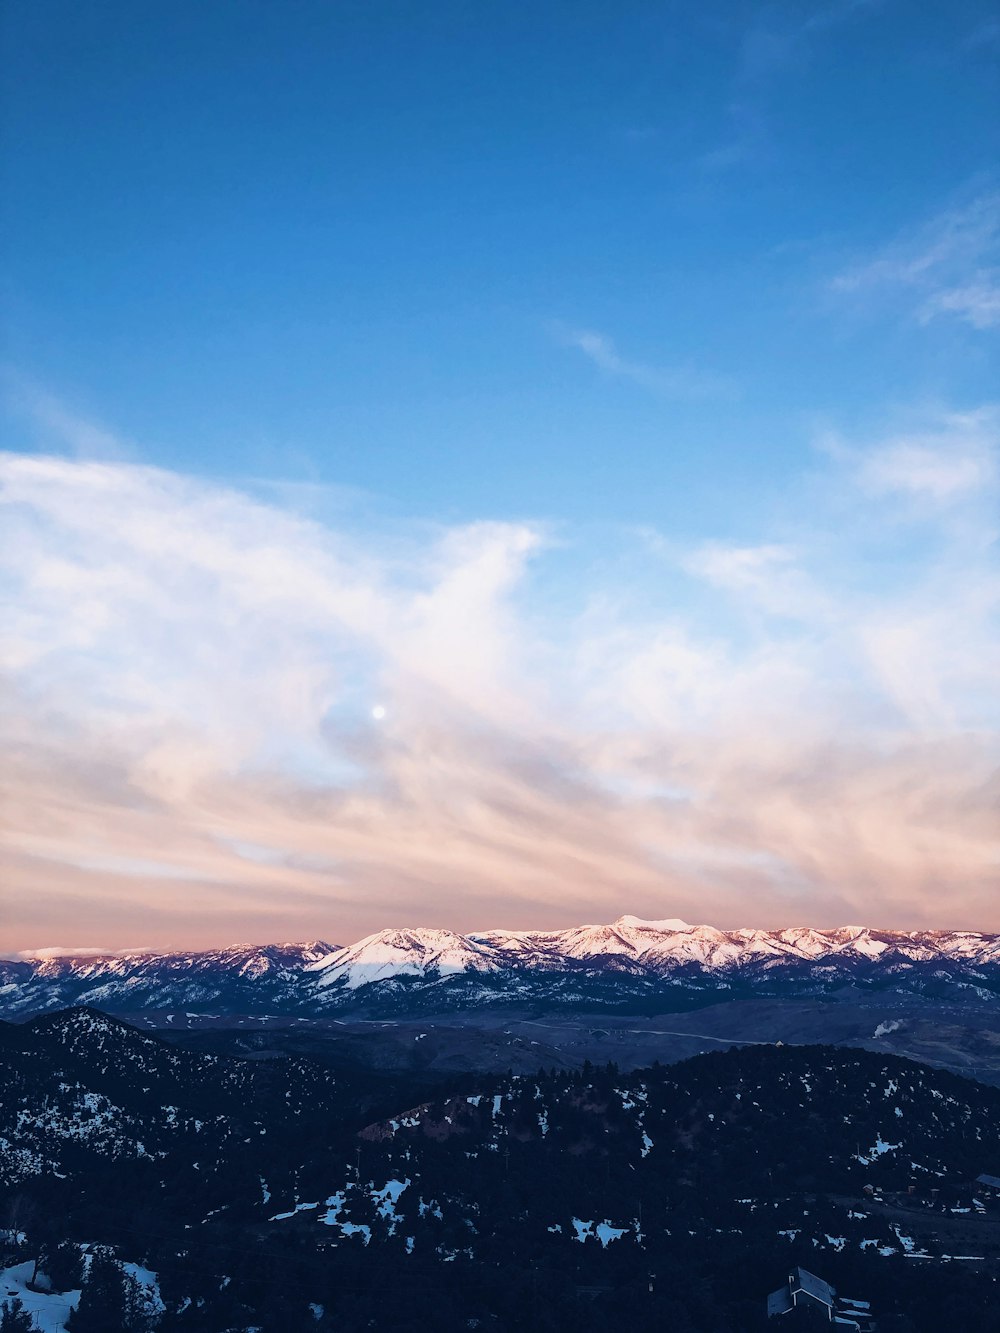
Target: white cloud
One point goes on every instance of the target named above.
(74, 430)
(769, 577)
(946, 459)
(977, 301)
(669, 381)
(946, 267)
(191, 754)
(925, 471)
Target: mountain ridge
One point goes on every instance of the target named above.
(423, 969)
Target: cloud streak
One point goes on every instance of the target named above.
(667, 381)
(948, 267)
(943, 461)
(192, 757)
(772, 46)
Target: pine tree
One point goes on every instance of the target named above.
(42, 1237)
(63, 1266)
(14, 1318)
(104, 1301)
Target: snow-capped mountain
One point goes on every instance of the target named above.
(659, 946)
(424, 969)
(241, 979)
(403, 953)
(631, 952)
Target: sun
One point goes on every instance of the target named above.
(378, 712)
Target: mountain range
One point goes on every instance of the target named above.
(630, 963)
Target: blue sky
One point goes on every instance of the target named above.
(656, 324)
(341, 240)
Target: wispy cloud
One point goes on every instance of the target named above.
(946, 459)
(739, 567)
(771, 45)
(984, 35)
(683, 381)
(948, 266)
(75, 431)
(977, 302)
(191, 751)
(769, 577)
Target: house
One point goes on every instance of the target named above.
(804, 1290)
(989, 1182)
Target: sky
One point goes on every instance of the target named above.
(497, 465)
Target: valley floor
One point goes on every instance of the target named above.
(962, 1036)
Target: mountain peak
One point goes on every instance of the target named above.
(672, 923)
(412, 951)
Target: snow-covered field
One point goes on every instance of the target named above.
(49, 1310)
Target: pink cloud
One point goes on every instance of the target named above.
(192, 754)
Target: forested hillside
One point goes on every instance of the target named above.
(276, 1193)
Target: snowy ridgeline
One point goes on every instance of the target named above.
(656, 947)
(629, 952)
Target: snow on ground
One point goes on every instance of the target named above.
(909, 1245)
(334, 1207)
(386, 1198)
(299, 1208)
(603, 1231)
(884, 1250)
(356, 1229)
(49, 1310)
(150, 1284)
(880, 1147)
